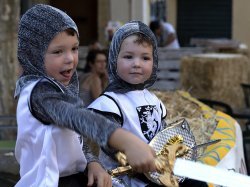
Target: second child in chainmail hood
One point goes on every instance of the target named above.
(132, 68)
(51, 118)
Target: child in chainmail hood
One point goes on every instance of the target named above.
(132, 68)
(50, 115)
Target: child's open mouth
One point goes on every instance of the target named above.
(66, 73)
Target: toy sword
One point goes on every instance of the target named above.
(176, 152)
(209, 174)
(190, 169)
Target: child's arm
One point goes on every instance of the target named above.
(96, 173)
(54, 107)
(132, 148)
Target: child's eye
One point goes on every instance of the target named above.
(128, 56)
(75, 48)
(57, 52)
(146, 58)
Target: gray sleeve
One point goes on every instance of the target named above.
(115, 118)
(90, 155)
(57, 108)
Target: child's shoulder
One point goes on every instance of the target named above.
(47, 84)
(106, 103)
(152, 94)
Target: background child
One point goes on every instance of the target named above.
(51, 116)
(132, 68)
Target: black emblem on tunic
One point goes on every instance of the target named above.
(149, 125)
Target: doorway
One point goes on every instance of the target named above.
(84, 13)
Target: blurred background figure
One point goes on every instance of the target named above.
(94, 79)
(165, 34)
(110, 29)
(95, 45)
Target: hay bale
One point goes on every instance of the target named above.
(182, 105)
(216, 76)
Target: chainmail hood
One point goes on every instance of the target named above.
(37, 27)
(116, 84)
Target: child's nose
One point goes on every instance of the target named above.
(69, 57)
(137, 62)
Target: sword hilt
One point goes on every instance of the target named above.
(120, 171)
(164, 163)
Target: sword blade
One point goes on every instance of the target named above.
(206, 144)
(210, 174)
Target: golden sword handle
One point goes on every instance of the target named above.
(164, 163)
(120, 171)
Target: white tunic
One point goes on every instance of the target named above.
(141, 112)
(45, 152)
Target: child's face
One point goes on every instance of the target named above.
(135, 61)
(61, 57)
